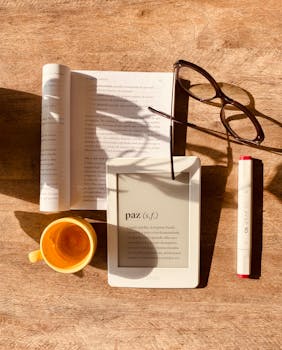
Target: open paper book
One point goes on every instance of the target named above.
(89, 117)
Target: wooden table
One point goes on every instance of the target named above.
(237, 42)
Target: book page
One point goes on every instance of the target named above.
(55, 139)
(109, 118)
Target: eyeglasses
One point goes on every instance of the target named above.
(201, 86)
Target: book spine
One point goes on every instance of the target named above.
(55, 139)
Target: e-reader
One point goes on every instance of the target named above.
(153, 222)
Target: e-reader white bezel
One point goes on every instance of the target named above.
(154, 277)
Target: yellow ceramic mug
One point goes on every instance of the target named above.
(66, 245)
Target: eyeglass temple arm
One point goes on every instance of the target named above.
(171, 153)
(194, 126)
(167, 116)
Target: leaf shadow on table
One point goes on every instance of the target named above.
(20, 143)
(19, 177)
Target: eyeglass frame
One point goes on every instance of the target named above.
(218, 94)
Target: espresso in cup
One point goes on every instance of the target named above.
(67, 245)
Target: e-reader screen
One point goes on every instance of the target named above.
(153, 220)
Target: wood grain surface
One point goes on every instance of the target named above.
(239, 43)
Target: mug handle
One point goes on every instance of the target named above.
(35, 256)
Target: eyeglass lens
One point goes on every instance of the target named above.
(196, 84)
(239, 122)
